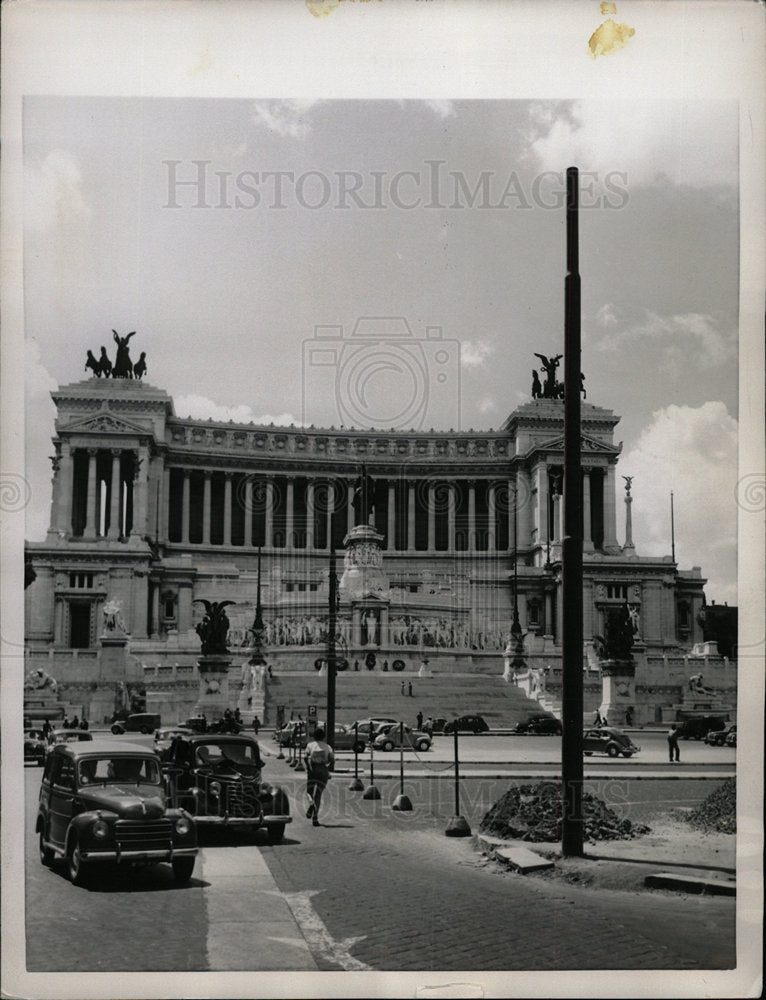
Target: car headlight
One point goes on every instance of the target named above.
(100, 829)
(183, 826)
(215, 787)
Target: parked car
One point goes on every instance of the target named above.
(287, 736)
(216, 777)
(34, 747)
(438, 725)
(102, 801)
(606, 739)
(539, 725)
(731, 739)
(467, 724)
(697, 729)
(719, 737)
(396, 736)
(164, 737)
(145, 722)
(58, 736)
(363, 726)
(345, 737)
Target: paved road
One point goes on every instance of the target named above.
(370, 889)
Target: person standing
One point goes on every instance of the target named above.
(628, 716)
(409, 688)
(673, 749)
(420, 720)
(402, 687)
(319, 762)
(256, 724)
(597, 720)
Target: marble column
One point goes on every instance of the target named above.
(114, 496)
(310, 515)
(451, 503)
(64, 509)
(90, 528)
(140, 488)
(587, 539)
(391, 534)
(524, 510)
(186, 508)
(431, 519)
(155, 585)
(165, 505)
(248, 505)
(491, 527)
(610, 517)
(289, 512)
(410, 516)
(268, 539)
(350, 505)
(227, 508)
(541, 478)
(471, 516)
(629, 547)
(330, 511)
(206, 495)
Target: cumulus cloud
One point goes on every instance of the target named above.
(53, 193)
(202, 408)
(442, 109)
(693, 452)
(689, 334)
(473, 353)
(487, 405)
(692, 142)
(40, 413)
(286, 118)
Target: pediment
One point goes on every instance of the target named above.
(587, 444)
(103, 423)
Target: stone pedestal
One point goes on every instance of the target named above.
(364, 585)
(618, 691)
(214, 696)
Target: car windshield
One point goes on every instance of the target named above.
(234, 753)
(118, 769)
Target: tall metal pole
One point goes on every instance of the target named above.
(572, 646)
(672, 529)
(331, 626)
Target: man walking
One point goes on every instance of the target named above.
(420, 720)
(673, 750)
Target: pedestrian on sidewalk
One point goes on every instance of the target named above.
(319, 761)
(673, 749)
(402, 687)
(420, 720)
(597, 721)
(256, 724)
(409, 689)
(628, 716)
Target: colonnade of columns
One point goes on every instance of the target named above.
(100, 492)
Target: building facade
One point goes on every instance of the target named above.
(156, 512)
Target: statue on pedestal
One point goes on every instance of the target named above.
(364, 497)
(214, 627)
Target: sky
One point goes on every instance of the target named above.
(243, 239)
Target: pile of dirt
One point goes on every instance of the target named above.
(533, 812)
(718, 812)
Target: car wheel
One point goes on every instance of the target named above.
(144, 730)
(78, 869)
(117, 730)
(276, 832)
(359, 747)
(627, 753)
(183, 868)
(423, 745)
(46, 854)
(388, 745)
(612, 750)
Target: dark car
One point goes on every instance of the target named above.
(217, 778)
(376, 724)
(731, 739)
(606, 739)
(539, 725)
(466, 724)
(58, 736)
(720, 737)
(102, 801)
(287, 736)
(145, 722)
(697, 729)
(34, 747)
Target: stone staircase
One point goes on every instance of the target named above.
(363, 694)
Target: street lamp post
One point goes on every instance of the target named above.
(331, 626)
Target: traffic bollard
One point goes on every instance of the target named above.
(372, 791)
(356, 785)
(401, 802)
(458, 825)
(299, 765)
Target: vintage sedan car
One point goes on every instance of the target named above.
(539, 725)
(719, 737)
(467, 724)
(376, 725)
(58, 736)
(606, 739)
(287, 736)
(697, 729)
(216, 777)
(34, 746)
(731, 739)
(165, 736)
(104, 802)
(396, 736)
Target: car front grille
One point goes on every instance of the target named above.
(141, 835)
